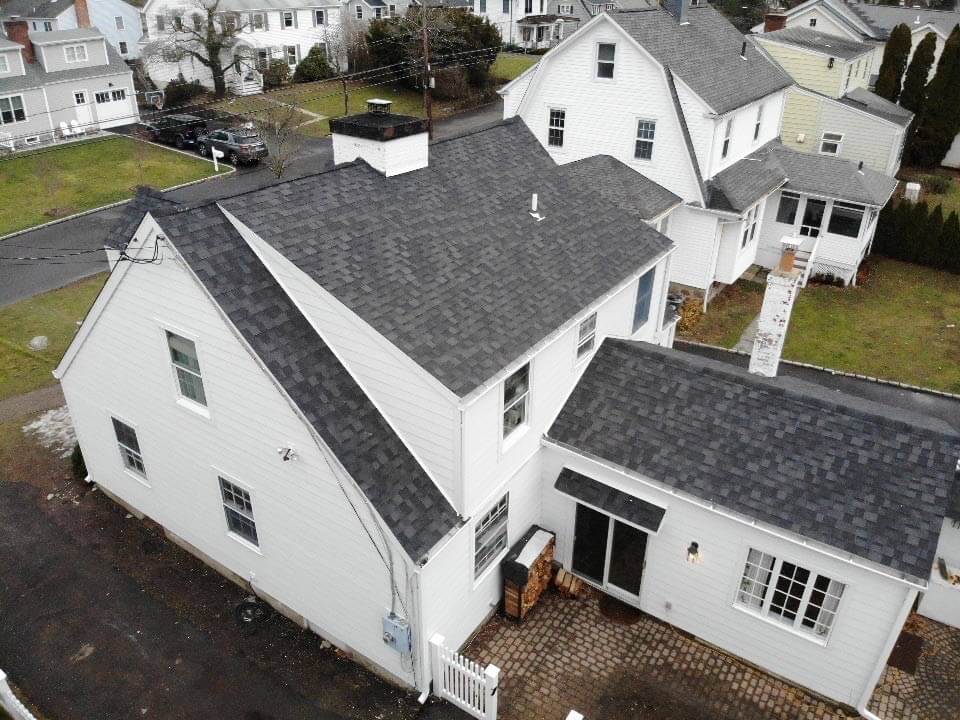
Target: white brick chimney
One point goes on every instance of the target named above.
(392, 144)
(783, 285)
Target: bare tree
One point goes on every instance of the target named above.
(277, 126)
(201, 31)
(344, 42)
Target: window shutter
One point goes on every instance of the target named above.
(296, 24)
(266, 21)
(250, 22)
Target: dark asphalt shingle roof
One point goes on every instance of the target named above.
(36, 76)
(705, 55)
(446, 261)
(834, 468)
(746, 181)
(621, 186)
(145, 200)
(884, 18)
(33, 8)
(869, 102)
(615, 502)
(364, 443)
(821, 42)
(69, 35)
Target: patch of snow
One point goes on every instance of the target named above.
(54, 430)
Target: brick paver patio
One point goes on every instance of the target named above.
(568, 655)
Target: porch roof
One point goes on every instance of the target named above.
(745, 182)
(618, 503)
(545, 19)
(305, 37)
(837, 470)
(863, 99)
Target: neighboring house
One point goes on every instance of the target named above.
(117, 20)
(354, 391)
(60, 78)
(284, 30)
(679, 95)
(831, 111)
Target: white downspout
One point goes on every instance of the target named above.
(887, 649)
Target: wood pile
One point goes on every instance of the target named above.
(519, 599)
(568, 583)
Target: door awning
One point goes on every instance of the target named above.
(603, 497)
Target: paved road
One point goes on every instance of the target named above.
(21, 279)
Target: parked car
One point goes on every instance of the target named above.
(179, 130)
(239, 145)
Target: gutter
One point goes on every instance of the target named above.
(887, 649)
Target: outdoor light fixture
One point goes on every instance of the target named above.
(693, 553)
(830, 63)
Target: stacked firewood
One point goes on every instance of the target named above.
(568, 583)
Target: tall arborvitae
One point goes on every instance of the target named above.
(939, 119)
(894, 63)
(915, 83)
(949, 244)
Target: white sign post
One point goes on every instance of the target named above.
(216, 155)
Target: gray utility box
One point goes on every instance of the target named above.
(396, 633)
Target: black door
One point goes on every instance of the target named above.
(590, 543)
(626, 557)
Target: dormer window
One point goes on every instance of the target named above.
(4, 65)
(566, 9)
(813, 22)
(606, 52)
(516, 395)
(75, 53)
(726, 138)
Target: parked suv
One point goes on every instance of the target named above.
(179, 130)
(239, 145)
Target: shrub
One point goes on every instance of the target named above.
(276, 74)
(77, 465)
(179, 92)
(913, 233)
(313, 67)
(936, 184)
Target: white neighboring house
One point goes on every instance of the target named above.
(117, 20)
(678, 94)
(60, 79)
(354, 391)
(271, 30)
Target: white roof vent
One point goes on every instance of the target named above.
(378, 106)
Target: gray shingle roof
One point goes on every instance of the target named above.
(33, 8)
(615, 502)
(810, 39)
(620, 185)
(743, 183)
(36, 76)
(705, 55)
(145, 200)
(382, 466)
(9, 44)
(446, 261)
(836, 469)
(886, 17)
(869, 102)
(59, 36)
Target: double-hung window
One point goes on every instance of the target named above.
(129, 447)
(757, 123)
(516, 397)
(789, 594)
(75, 53)
(122, 47)
(566, 9)
(606, 53)
(291, 55)
(813, 22)
(119, 21)
(830, 143)
(256, 21)
(101, 97)
(118, 95)
(319, 17)
(4, 65)
(527, 7)
(11, 110)
(359, 11)
(183, 354)
(641, 308)
(161, 22)
(587, 336)
(238, 509)
(506, 7)
(80, 98)
(727, 128)
(197, 22)
(749, 226)
(555, 127)
(490, 535)
(378, 13)
(287, 19)
(643, 148)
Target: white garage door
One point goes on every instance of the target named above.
(114, 107)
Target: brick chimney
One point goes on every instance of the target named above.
(783, 285)
(774, 21)
(18, 32)
(392, 144)
(83, 13)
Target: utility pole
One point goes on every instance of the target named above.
(427, 74)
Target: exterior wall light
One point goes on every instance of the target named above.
(693, 553)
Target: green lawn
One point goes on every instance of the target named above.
(51, 183)
(902, 324)
(728, 315)
(54, 314)
(509, 66)
(950, 200)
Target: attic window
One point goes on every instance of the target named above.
(555, 129)
(813, 22)
(605, 60)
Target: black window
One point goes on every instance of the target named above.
(846, 219)
(646, 129)
(641, 309)
(527, 7)
(787, 210)
(238, 508)
(606, 52)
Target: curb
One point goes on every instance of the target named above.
(83, 213)
(832, 371)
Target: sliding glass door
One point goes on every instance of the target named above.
(608, 552)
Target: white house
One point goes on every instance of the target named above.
(117, 20)
(284, 30)
(679, 95)
(57, 83)
(352, 392)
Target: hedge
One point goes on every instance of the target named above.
(914, 233)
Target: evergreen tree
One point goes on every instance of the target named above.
(915, 82)
(928, 250)
(914, 230)
(949, 245)
(886, 228)
(939, 119)
(313, 67)
(894, 63)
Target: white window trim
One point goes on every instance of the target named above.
(563, 130)
(4, 64)
(508, 441)
(23, 105)
(283, 20)
(838, 143)
(591, 338)
(758, 124)
(597, 61)
(495, 559)
(139, 477)
(221, 503)
(761, 613)
(118, 20)
(636, 138)
(181, 400)
(76, 57)
(750, 222)
(725, 142)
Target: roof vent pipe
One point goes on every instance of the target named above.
(743, 50)
(533, 203)
(860, 167)
(534, 211)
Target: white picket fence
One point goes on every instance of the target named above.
(11, 703)
(463, 682)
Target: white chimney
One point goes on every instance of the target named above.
(392, 144)
(783, 285)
